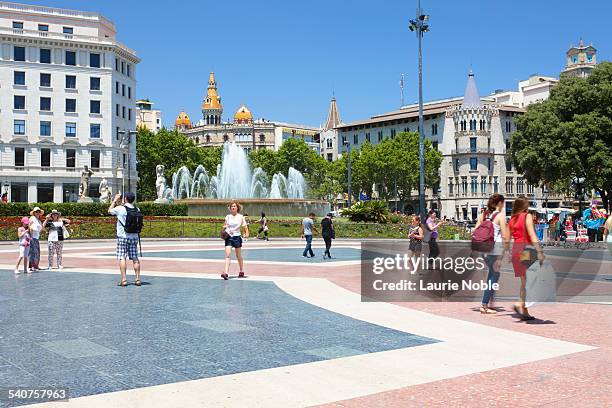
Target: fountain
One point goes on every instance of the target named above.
(208, 194)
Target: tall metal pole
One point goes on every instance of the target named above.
(129, 169)
(350, 193)
(419, 33)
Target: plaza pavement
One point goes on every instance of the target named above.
(561, 359)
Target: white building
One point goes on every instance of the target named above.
(535, 89)
(329, 134)
(68, 93)
(147, 117)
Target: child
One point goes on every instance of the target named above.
(23, 233)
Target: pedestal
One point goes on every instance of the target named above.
(85, 200)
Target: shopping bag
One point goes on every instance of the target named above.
(541, 285)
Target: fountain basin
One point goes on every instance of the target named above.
(277, 207)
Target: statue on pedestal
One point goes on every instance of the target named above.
(160, 184)
(105, 191)
(84, 185)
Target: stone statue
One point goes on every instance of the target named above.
(105, 191)
(84, 186)
(160, 184)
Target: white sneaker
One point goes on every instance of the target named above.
(17, 272)
(60, 267)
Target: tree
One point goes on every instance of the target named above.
(569, 135)
(172, 150)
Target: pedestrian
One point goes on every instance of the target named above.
(526, 249)
(432, 224)
(129, 225)
(35, 227)
(608, 233)
(56, 234)
(4, 199)
(306, 233)
(415, 234)
(554, 230)
(501, 240)
(263, 227)
(232, 233)
(328, 233)
(23, 233)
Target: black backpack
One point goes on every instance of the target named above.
(133, 221)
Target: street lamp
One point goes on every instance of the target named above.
(348, 145)
(578, 182)
(420, 25)
(126, 138)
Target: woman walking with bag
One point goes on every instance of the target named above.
(56, 227)
(35, 228)
(232, 234)
(525, 251)
(328, 233)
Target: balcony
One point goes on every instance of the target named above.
(478, 150)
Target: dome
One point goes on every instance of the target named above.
(243, 115)
(182, 120)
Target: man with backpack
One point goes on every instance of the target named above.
(129, 225)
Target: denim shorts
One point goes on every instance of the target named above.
(234, 242)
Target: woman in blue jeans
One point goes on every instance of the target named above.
(501, 237)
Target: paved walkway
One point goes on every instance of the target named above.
(294, 333)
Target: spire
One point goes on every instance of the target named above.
(471, 98)
(333, 117)
(581, 45)
(211, 80)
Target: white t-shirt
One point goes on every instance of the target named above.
(234, 224)
(54, 230)
(35, 227)
(121, 214)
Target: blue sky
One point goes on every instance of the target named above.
(284, 59)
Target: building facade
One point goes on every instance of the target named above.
(68, 97)
(472, 134)
(329, 133)
(147, 117)
(580, 60)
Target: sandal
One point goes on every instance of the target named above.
(123, 283)
(241, 274)
(137, 282)
(486, 310)
(225, 276)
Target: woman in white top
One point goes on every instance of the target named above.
(608, 233)
(35, 228)
(233, 226)
(56, 227)
(501, 237)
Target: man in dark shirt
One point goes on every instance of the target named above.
(327, 232)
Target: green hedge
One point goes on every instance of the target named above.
(89, 209)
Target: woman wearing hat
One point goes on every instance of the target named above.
(56, 226)
(35, 228)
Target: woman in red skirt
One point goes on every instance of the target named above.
(525, 247)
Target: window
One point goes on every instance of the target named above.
(456, 164)
(45, 128)
(509, 185)
(473, 185)
(462, 125)
(117, 133)
(392, 133)
(19, 156)
(489, 164)
(473, 163)
(45, 56)
(94, 131)
(343, 139)
(367, 136)
(19, 53)
(94, 60)
(43, 27)
(529, 188)
(117, 109)
(45, 103)
(508, 165)
(380, 135)
(355, 139)
(94, 84)
(71, 158)
(95, 159)
(434, 129)
(330, 142)
(45, 157)
(129, 92)
(19, 127)
(508, 126)
(18, 24)
(129, 70)
(483, 185)
(123, 112)
(482, 125)
(70, 58)
(70, 82)
(435, 145)
(495, 185)
(70, 129)
(122, 89)
(123, 67)
(520, 186)
(45, 80)
(130, 114)
(19, 78)
(18, 102)
(464, 185)
(472, 144)
(451, 186)
(117, 87)
(116, 64)
(67, 30)
(94, 106)
(71, 105)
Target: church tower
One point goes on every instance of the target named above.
(333, 117)
(211, 108)
(580, 60)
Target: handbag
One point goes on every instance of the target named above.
(528, 255)
(224, 235)
(66, 233)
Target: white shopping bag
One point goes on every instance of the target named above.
(541, 283)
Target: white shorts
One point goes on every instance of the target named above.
(24, 251)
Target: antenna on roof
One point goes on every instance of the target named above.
(401, 85)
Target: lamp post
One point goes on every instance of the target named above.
(126, 138)
(348, 145)
(420, 25)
